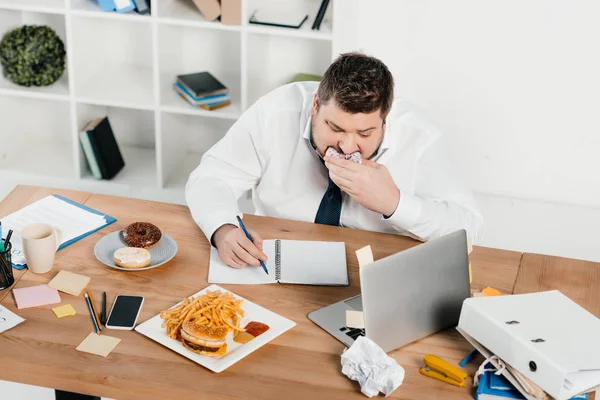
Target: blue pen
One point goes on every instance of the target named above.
(250, 238)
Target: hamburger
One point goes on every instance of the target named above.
(204, 340)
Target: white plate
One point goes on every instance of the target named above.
(163, 252)
(235, 351)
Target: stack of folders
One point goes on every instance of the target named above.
(537, 346)
(202, 89)
(123, 6)
(101, 149)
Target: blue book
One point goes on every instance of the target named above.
(107, 5)
(123, 6)
(207, 99)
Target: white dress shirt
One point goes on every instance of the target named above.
(268, 150)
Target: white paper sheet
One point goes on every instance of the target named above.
(8, 319)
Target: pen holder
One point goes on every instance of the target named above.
(6, 272)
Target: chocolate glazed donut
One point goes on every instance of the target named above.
(141, 234)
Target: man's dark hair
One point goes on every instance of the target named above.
(358, 84)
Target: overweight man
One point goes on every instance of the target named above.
(343, 152)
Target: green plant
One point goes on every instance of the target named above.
(32, 55)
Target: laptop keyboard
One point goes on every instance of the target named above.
(354, 333)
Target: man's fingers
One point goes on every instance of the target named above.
(258, 242)
(345, 173)
(235, 262)
(370, 163)
(339, 180)
(246, 257)
(345, 164)
(251, 249)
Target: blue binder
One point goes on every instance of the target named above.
(109, 220)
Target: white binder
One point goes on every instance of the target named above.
(545, 336)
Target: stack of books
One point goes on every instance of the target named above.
(101, 149)
(202, 89)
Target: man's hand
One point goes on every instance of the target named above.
(369, 183)
(235, 249)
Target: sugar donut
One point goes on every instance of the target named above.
(355, 157)
(132, 257)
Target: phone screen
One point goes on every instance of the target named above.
(125, 311)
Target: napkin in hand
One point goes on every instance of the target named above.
(374, 370)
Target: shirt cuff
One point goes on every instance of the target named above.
(407, 213)
(216, 220)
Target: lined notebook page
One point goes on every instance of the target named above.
(313, 263)
(219, 272)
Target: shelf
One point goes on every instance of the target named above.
(59, 90)
(44, 157)
(139, 170)
(89, 8)
(46, 6)
(185, 13)
(129, 87)
(304, 32)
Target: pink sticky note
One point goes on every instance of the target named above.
(35, 296)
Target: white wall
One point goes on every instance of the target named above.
(515, 83)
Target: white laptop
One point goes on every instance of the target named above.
(406, 296)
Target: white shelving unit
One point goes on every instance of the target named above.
(123, 66)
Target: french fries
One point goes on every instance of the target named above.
(214, 309)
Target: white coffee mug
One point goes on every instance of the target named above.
(40, 242)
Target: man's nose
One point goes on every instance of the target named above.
(348, 144)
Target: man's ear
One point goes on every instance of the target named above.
(315, 106)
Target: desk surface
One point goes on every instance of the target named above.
(301, 363)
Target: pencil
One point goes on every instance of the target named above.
(93, 311)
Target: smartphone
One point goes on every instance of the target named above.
(124, 312)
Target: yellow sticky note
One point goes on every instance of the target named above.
(354, 319)
(98, 344)
(64, 311)
(488, 291)
(69, 282)
(364, 256)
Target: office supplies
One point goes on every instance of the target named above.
(364, 256)
(7, 240)
(1, 242)
(9, 319)
(35, 296)
(92, 313)
(279, 18)
(502, 389)
(6, 271)
(231, 12)
(545, 336)
(375, 371)
(106, 5)
(443, 371)
(69, 282)
(94, 308)
(433, 277)
(74, 220)
(201, 84)
(64, 311)
(210, 9)
(123, 6)
(101, 345)
(103, 315)
(101, 148)
(292, 261)
(320, 15)
(124, 312)
(468, 358)
(355, 319)
(262, 264)
(153, 329)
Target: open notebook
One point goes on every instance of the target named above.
(289, 261)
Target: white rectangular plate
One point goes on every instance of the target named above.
(235, 351)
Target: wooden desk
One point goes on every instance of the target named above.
(302, 363)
